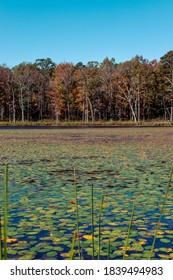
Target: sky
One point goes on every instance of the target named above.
(84, 30)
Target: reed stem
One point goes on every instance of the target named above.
(77, 215)
(109, 247)
(129, 229)
(5, 210)
(100, 216)
(92, 215)
(161, 214)
(0, 240)
(72, 247)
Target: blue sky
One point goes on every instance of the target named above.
(84, 30)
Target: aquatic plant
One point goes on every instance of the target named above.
(72, 246)
(161, 214)
(129, 229)
(99, 224)
(117, 162)
(3, 233)
(92, 219)
(77, 215)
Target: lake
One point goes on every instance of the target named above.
(122, 164)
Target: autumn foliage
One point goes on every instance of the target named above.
(137, 90)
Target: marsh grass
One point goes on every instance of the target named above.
(100, 217)
(72, 251)
(92, 219)
(77, 215)
(3, 233)
(48, 122)
(129, 230)
(0, 240)
(5, 210)
(109, 248)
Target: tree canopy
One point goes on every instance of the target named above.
(136, 90)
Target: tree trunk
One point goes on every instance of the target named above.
(139, 109)
(91, 109)
(133, 112)
(14, 109)
(171, 114)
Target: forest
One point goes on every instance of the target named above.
(136, 90)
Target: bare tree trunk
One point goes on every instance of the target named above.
(91, 109)
(14, 109)
(2, 113)
(139, 109)
(133, 112)
(171, 113)
(86, 110)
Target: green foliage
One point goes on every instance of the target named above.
(161, 214)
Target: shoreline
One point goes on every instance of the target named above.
(6, 127)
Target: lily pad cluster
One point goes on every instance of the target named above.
(122, 164)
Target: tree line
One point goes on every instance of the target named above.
(138, 90)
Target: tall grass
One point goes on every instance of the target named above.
(161, 214)
(109, 248)
(5, 210)
(100, 217)
(0, 240)
(3, 233)
(72, 246)
(129, 230)
(92, 220)
(77, 215)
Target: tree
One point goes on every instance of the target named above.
(107, 70)
(167, 82)
(46, 66)
(6, 93)
(131, 84)
(89, 90)
(65, 86)
(26, 77)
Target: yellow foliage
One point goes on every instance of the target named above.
(142, 242)
(72, 201)
(169, 250)
(160, 232)
(88, 237)
(71, 210)
(11, 240)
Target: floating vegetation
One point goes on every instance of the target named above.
(56, 212)
(161, 213)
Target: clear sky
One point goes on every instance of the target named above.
(84, 30)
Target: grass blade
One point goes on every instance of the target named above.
(77, 215)
(161, 214)
(92, 215)
(109, 248)
(100, 216)
(129, 229)
(0, 240)
(5, 210)
(72, 247)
